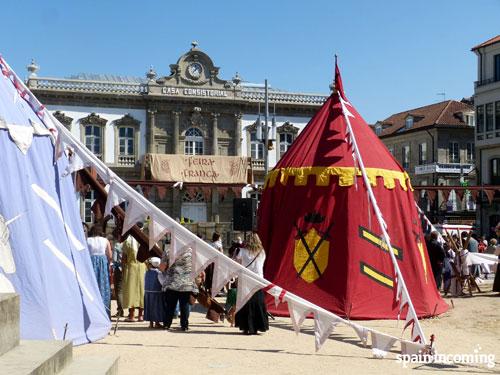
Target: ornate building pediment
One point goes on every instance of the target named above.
(127, 120)
(93, 119)
(196, 68)
(63, 119)
(287, 127)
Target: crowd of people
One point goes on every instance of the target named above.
(449, 256)
(160, 292)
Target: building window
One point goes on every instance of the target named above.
(378, 129)
(286, 140)
(126, 141)
(256, 147)
(495, 171)
(469, 119)
(470, 153)
(497, 115)
(391, 150)
(489, 117)
(409, 122)
(93, 139)
(193, 143)
(406, 157)
(422, 153)
(88, 215)
(480, 118)
(496, 67)
(453, 153)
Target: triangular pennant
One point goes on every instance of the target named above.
(489, 194)
(202, 256)
(431, 195)
(157, 229)
(162, 192)
(180, 240)
(362, 333)
(381, 344)
(22, 136)
(298, 313)
(135, 212)
(247, 286)
(446, 195)
(324, 324)
(474, 194)
(411, 348)
(277, 292)
(224, 270)
(116, 195)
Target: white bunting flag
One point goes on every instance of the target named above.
(362, 333)
(381, 344)
(157, 229)
(223, 272)
(324, 325)
(135, 212)
(411, 348)
(116, 195)
(247, 286)
(22, 136)
(202, 256)
(180, 240)
(298, 313)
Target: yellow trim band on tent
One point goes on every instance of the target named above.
(345, 175)
(377, 276)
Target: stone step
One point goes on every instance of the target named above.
(95, 365)
(34, 357)
(9, 322)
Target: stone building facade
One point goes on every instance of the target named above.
(190, 110)
(487, 105)
(435, 145)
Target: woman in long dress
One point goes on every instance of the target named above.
(100, 256)
(133, 280)
(252, 317)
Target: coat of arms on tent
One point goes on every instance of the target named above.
(312, 248)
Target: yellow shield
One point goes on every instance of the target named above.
(302, 256)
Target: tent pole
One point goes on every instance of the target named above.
(380, 219)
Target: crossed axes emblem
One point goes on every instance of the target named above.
(311, 253)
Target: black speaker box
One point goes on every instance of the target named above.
(245, 214)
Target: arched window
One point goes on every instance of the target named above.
(193, 143)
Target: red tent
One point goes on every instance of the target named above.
(322, 237)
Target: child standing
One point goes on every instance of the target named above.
(154, 300)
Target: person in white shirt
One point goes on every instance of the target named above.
(252, 317)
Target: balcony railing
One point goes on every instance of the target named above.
(485, 82)
(258, 164)
(126, 161)
(449, 168)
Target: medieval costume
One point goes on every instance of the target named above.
(252, 317)
(133, 278)
(154, 299)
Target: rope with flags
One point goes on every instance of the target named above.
(402, 296)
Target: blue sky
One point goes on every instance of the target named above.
(394, 55)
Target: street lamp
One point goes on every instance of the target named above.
(263, 135)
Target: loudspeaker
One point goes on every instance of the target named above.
(244, 214)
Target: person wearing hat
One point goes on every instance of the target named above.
(154, 300)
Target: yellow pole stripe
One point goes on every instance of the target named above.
(377, 276)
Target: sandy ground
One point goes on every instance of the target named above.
(208, 348)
